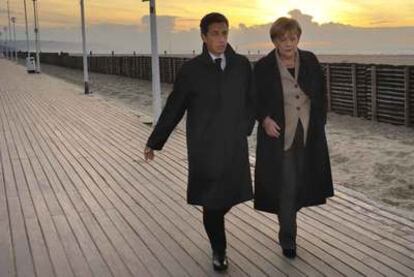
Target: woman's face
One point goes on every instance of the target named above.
(287, 44)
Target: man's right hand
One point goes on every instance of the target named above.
(271, 127)
(148, 154)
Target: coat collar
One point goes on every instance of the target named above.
(284, 71)
(229, 53)
(303, 68)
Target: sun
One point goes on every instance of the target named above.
(322, 11)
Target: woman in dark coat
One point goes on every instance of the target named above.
(292, 160)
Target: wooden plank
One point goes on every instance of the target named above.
(55, 249)
(373, 207)
(22, 254)
(145, 253)
(20, 245)
(181, 273)
(174, 209)
(116, 264)
(110, 254)
(377, 260)
(92, 255)
(73, 251)
(398, 236)
(141, 202)
(126, 254)
(361, 235)
(41, 256)
(371, 217)
(307, 228)
(6, 251)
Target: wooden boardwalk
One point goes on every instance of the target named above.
(77, 199)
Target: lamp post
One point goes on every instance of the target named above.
(9, 28)
(13, 20)
(37, 37)
(2, 45)
(6, 41)
(27, 31)
(156, 86)
(85, 54)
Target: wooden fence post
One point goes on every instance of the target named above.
(374, 92)
(407, 96)
(328, 87)
(354, 90)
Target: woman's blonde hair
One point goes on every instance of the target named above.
(283, 25)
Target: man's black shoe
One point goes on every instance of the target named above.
(220, 262)
(289, 253)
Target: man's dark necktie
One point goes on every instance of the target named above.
(218, 63)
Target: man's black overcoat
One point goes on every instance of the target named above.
(219, 118)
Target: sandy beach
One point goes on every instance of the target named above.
(373, 158)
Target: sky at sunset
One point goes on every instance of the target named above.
(374, 13)
(325, 22)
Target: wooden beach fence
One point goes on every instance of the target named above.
(378, 92)
(381, 93)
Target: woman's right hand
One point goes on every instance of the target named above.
(271, 127)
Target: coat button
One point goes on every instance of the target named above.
(297, 96)
(298, 108)
(296, 85)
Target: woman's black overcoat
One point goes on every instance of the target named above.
(317, 185)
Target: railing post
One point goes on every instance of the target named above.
(328, 87)
(374, 93)
(407, 96)
(354, 90)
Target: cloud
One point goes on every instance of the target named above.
(334, 38)
(328, 38)
(164, 23)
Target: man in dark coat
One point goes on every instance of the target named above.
(214, 89)
(292, 161)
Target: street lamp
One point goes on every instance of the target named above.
(30, 63)
(27, 32)
(85, 55)
(37, 37)
(13, 20)
(156, 86)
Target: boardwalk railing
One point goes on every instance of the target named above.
(383, 93)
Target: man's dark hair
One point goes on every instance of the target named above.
(211, 18)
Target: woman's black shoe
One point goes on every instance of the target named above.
(220, 262)
(289, 253)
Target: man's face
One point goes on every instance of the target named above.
(216, 38)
